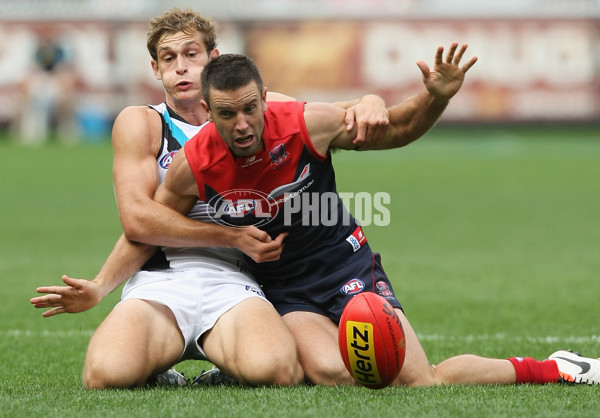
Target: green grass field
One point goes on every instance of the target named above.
(493, 249)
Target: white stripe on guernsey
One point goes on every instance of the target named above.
(573, 339)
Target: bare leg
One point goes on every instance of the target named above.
(416, 370)
(251, 343)
(470, 369)
(136, 340)
(317, 339)
(461, 370)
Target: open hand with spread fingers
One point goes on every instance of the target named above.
(77, 296)
(445, 79)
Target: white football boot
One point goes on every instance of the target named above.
(573, 368)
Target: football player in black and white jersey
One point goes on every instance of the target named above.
(193, 299)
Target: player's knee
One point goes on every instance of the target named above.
(287, 371)
(281, 374)
(327, 372)
(103, 374)
(95, 377)
(275, 369)
(426, 377)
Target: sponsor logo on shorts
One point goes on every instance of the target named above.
(352, 287)
(165, 161)
(383, 289)
(255, 290)
(357, 239)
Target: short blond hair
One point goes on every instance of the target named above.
(177, 20)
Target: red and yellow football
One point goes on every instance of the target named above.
(371, 340)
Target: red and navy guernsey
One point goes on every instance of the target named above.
(289, 187)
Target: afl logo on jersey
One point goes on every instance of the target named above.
(352, 287)
(165, 161)
(241, 207)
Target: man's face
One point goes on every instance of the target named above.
(180, 60)
(239, 117)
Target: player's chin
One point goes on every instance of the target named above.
(246, 147)
(186, 94)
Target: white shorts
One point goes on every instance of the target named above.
(197, 295)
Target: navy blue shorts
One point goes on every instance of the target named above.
(326, 290)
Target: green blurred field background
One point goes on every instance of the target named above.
(493, 248)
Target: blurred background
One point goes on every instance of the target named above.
(69, 66)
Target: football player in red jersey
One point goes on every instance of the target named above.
(306, 283)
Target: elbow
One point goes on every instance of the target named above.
(133, 229)
(132, 233)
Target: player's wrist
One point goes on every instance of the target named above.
(227, 237)
(102, 286)
(438, 99)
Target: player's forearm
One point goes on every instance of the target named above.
(187, 233)
(414, 117)
(125, 260)
(347, 105)
(165, 227)
(154, 223)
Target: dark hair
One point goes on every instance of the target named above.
(186, 21)
(229, 72)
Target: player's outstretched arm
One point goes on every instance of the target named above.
(80, 294)
(413, 117)
(409, 120)
(446, 77)
(77, 296)
(369, 115)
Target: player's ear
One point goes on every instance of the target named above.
(206, 109)
(264, 99)
(157, 73)
(214, 53)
